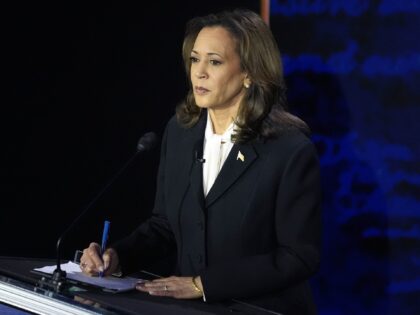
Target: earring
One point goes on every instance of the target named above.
(247, 85)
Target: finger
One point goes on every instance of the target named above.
(86, 263)
(90, 270)
(159, 288)
(164, 280)
(111, 261)
(161, 291)
(106, 258)
(173, 283)
(85, 257)
(141, 287)
(150, 287)
(155, 285)
(94, 254)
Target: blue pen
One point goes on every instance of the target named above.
(104, 240)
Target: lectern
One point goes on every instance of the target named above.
(20, 288)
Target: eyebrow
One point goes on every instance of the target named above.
(208, 54)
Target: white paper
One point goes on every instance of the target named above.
(110, 283)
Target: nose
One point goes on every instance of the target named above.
(200, 70)
(200, 75)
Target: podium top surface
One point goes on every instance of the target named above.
(16, 273)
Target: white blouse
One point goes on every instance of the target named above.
(216, 150)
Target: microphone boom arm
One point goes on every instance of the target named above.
(146, 142)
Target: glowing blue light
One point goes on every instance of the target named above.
(404, 286)
(350, 8)
(333, 7)
(345, 63)
(399, 6)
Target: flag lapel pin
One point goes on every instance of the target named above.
(240, 157)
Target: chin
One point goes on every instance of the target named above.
(202, 104)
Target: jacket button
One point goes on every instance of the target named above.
(200, 226)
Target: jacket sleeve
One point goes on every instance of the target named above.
(298, 226)
(153, 239)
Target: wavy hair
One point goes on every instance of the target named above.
(263, 110)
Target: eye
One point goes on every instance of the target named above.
(193, 59)
(215, 62)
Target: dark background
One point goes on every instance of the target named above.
(83, 83)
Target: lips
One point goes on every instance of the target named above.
(200, 90)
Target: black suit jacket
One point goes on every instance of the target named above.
(257, 233)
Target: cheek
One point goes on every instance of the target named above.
(231, 85)
(226, 82)
(191, 73)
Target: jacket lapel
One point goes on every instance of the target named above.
(190, 174)
(196, 178)
(238, 161)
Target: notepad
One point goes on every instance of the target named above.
(108, 283)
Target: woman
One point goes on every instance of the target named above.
(238, 192)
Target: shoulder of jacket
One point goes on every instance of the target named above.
(290, 140)
(173, 125)
(172, 122)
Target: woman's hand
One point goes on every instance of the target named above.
(176, 287)
(91, 262)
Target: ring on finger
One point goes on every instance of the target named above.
(166, 288)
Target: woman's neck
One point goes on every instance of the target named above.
(222, 118)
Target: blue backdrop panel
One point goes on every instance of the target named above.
(353, 73)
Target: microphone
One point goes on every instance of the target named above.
(145, 143)
(198, 152)
(198, 159)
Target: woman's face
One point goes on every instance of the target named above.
(216, 75)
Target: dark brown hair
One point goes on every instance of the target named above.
(262, 112)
